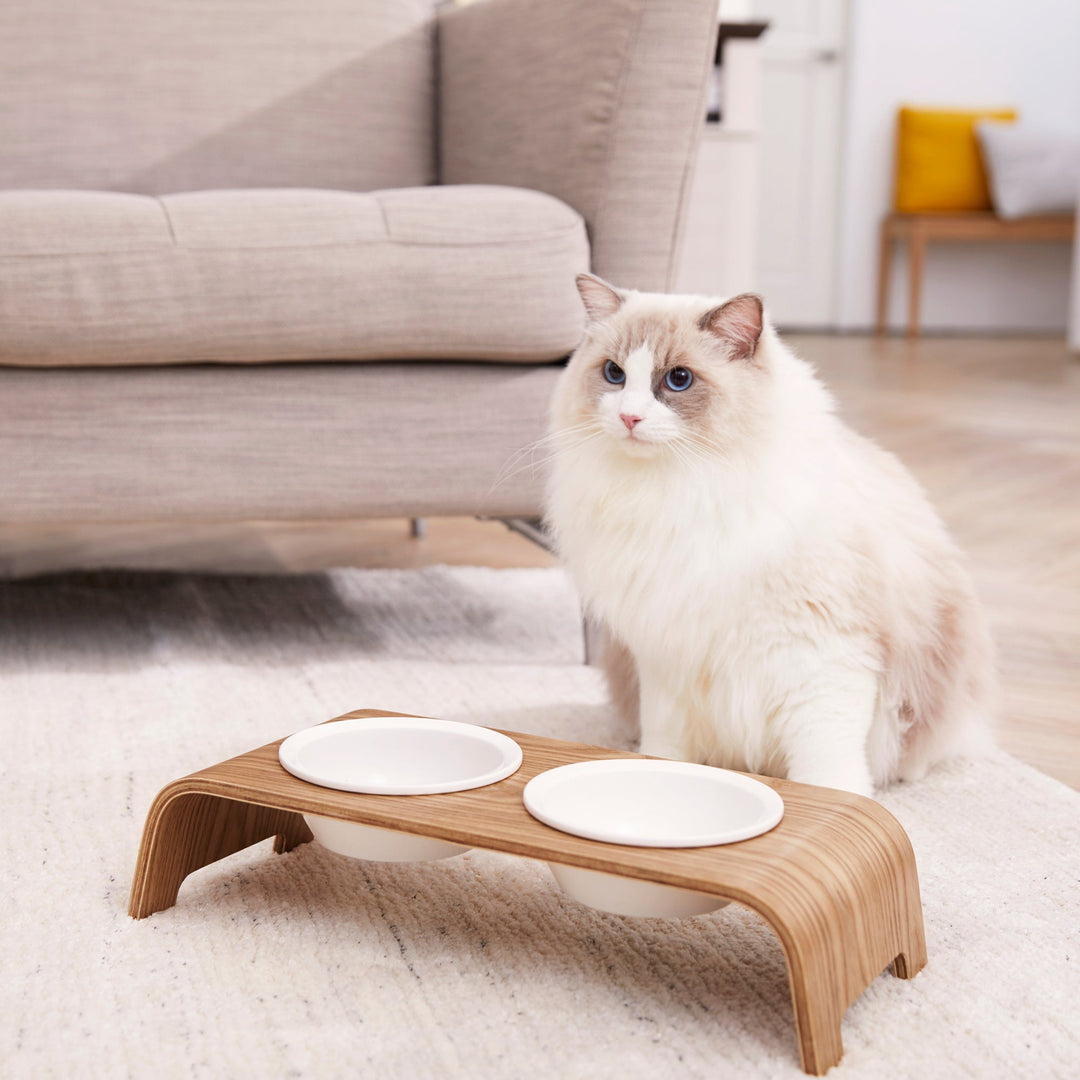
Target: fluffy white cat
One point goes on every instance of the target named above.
(779, 595)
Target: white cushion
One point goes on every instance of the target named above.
(1030, 171)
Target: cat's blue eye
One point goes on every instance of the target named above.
(614, 374)
(678, 378)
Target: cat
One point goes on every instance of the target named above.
(778, 594)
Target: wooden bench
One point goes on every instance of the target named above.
(918, 230)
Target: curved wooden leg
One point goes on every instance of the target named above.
(186, 830)
(818, 993)
(820, 1001)
(843, 925)
(827, 973)
(907, 965)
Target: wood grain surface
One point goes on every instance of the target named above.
(836, 879)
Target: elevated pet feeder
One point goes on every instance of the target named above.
(835, 878)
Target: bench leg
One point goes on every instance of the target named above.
(885, 258)
(916, 260)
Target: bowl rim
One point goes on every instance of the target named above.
(540, 790)
(290, 750)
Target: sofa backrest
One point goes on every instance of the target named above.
(157, 97)
(597, 102)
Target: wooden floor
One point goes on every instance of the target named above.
(992, 429)
(990, 426)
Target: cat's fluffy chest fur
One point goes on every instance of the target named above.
(717, 597)
(780, 590)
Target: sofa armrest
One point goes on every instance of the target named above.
(600, 104)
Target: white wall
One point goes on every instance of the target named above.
(954, 53)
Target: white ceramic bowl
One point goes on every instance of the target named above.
(648, 803)
(379, 845)
(628, 896)
(395, 755)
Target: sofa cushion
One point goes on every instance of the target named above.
(276, 442)
(458, 272)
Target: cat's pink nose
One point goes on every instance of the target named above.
(630, 421)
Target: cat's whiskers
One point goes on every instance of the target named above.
(692, 460)
(552, 444)
(543, 442)
(688, 453)
(704, 443)
(566, 447)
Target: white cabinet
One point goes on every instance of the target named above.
(720, 232)
(719, 248)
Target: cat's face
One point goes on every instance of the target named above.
(662, 376)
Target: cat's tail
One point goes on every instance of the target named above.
(969, 734)
(968, 724)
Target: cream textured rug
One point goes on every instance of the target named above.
(313, 965)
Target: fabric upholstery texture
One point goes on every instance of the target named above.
(157, 98)
(599, 104)
(277, 442)
(469, 272)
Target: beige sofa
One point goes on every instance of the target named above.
(315, 258)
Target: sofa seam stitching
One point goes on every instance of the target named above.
(560, 234)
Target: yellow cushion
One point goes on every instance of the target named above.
(938, 162)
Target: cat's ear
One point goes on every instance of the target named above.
(738, 322)
(601, 300)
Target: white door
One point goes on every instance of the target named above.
(802, 87)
